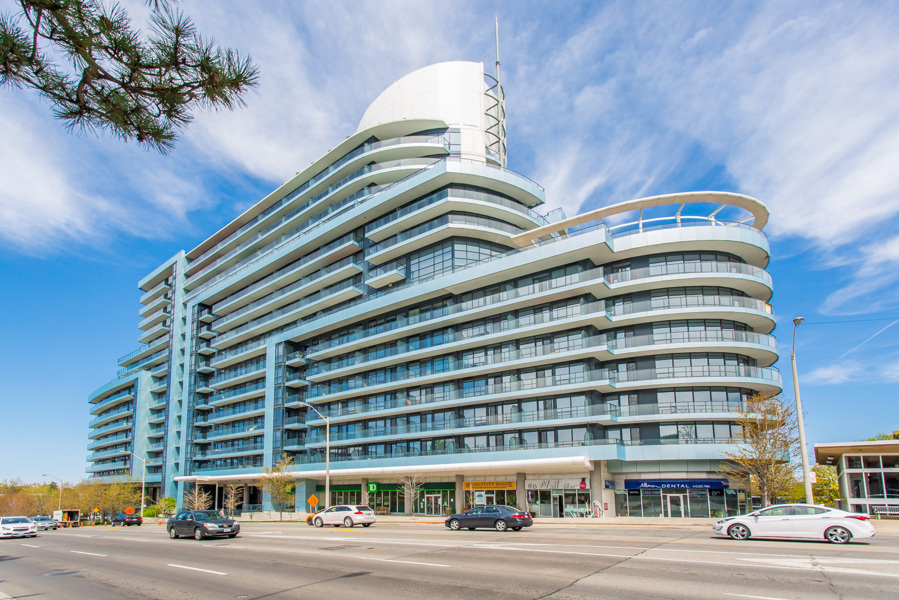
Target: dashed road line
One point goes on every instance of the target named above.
(196, 569)
(754, 597)
(88, 553)
(392, 560)
(31, 545)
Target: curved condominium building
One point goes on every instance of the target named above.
(405, 303)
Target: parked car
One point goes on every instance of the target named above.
(346, 515)
(495, 516)
(13, 527)
(44, 523)
(801, 521)
(202, 524)
(124, 519)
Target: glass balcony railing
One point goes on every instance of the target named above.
(440, 139)
(252, 386)
(450, 219)
(109, 415)
(257, 428)
(241, 449)
(610, 341)
(527, 418)
(452, 447)
(241, 371)
(109, 440)
(297, 285)
(455, 192)
(297, 305)
(230, 412)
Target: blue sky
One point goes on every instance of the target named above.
(794, 103)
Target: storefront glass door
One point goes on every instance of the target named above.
(676, 506)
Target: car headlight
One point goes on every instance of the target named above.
(211, 526)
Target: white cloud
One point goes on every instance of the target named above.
(834, 374)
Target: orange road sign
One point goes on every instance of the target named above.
(313, 500)
(129, 511)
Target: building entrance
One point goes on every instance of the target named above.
(433, 504)
(676, 506)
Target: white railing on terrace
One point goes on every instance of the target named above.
(450, 219)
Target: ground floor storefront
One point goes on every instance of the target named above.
(676, 499)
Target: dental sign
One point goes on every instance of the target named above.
(568, 483)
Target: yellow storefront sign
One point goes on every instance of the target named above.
(488, 485)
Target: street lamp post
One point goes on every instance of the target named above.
(58, 480)
(327, 452)
(143, 480)
(806, 474)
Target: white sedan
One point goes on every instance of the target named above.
(801, 521)
(346, 515)
(11, 527)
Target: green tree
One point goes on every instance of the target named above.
(166, 506)
(826, 488)
(278, 483)
(100, 73)
(761, 458)
(880, 437)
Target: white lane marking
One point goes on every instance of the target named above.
(391, 560)
(266, 532)
(88, 553)
(756, 597)
(797, 567)
(31, 545)
(196, 569)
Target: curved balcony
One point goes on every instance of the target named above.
(378, 173)
(116, 439)
(112, 427)
(322, 278)
(294, 311)
(602, 414)
(759, 346)
(603, 380)
(440, 228)
(111, 416)
(600, 347)
(452, 447)
(364, 153)
(110, 401)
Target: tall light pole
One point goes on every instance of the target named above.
(806, 474)
(143, 481)
(58, 480)
(327, 452)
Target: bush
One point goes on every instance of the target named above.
(151, 511)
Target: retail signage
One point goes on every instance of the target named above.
(480, 497)
(569, 483)
(372, 487)
(488, 485)
(609, 484)
(693, 484)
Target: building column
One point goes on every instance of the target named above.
(521, 492)
(364, 489)
(460, 494)
(598, 491)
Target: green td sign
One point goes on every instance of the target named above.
(372, 487)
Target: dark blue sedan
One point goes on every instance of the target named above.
(494, 516)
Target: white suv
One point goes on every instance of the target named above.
(346, 515)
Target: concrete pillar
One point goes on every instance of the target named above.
(460, 494)
(246, 495)
(598, 491)
(364, 488)
(521, 492)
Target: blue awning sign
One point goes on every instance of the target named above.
(691, 484)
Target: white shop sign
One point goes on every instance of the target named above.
(568, 483)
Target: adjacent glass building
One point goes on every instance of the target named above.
(408, 286)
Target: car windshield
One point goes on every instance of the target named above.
(10, 520)
(208, 515)
(40, 518)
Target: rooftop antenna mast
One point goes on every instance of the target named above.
(501, 102)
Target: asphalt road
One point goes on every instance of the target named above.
(280, 561)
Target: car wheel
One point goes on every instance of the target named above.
(837, 535)
(318, 522)
(366, 524)
(348, 522)
(738, 532)
(501, 525)
(198, 534)
(172, 533)
(455, 525)
(516, 529)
